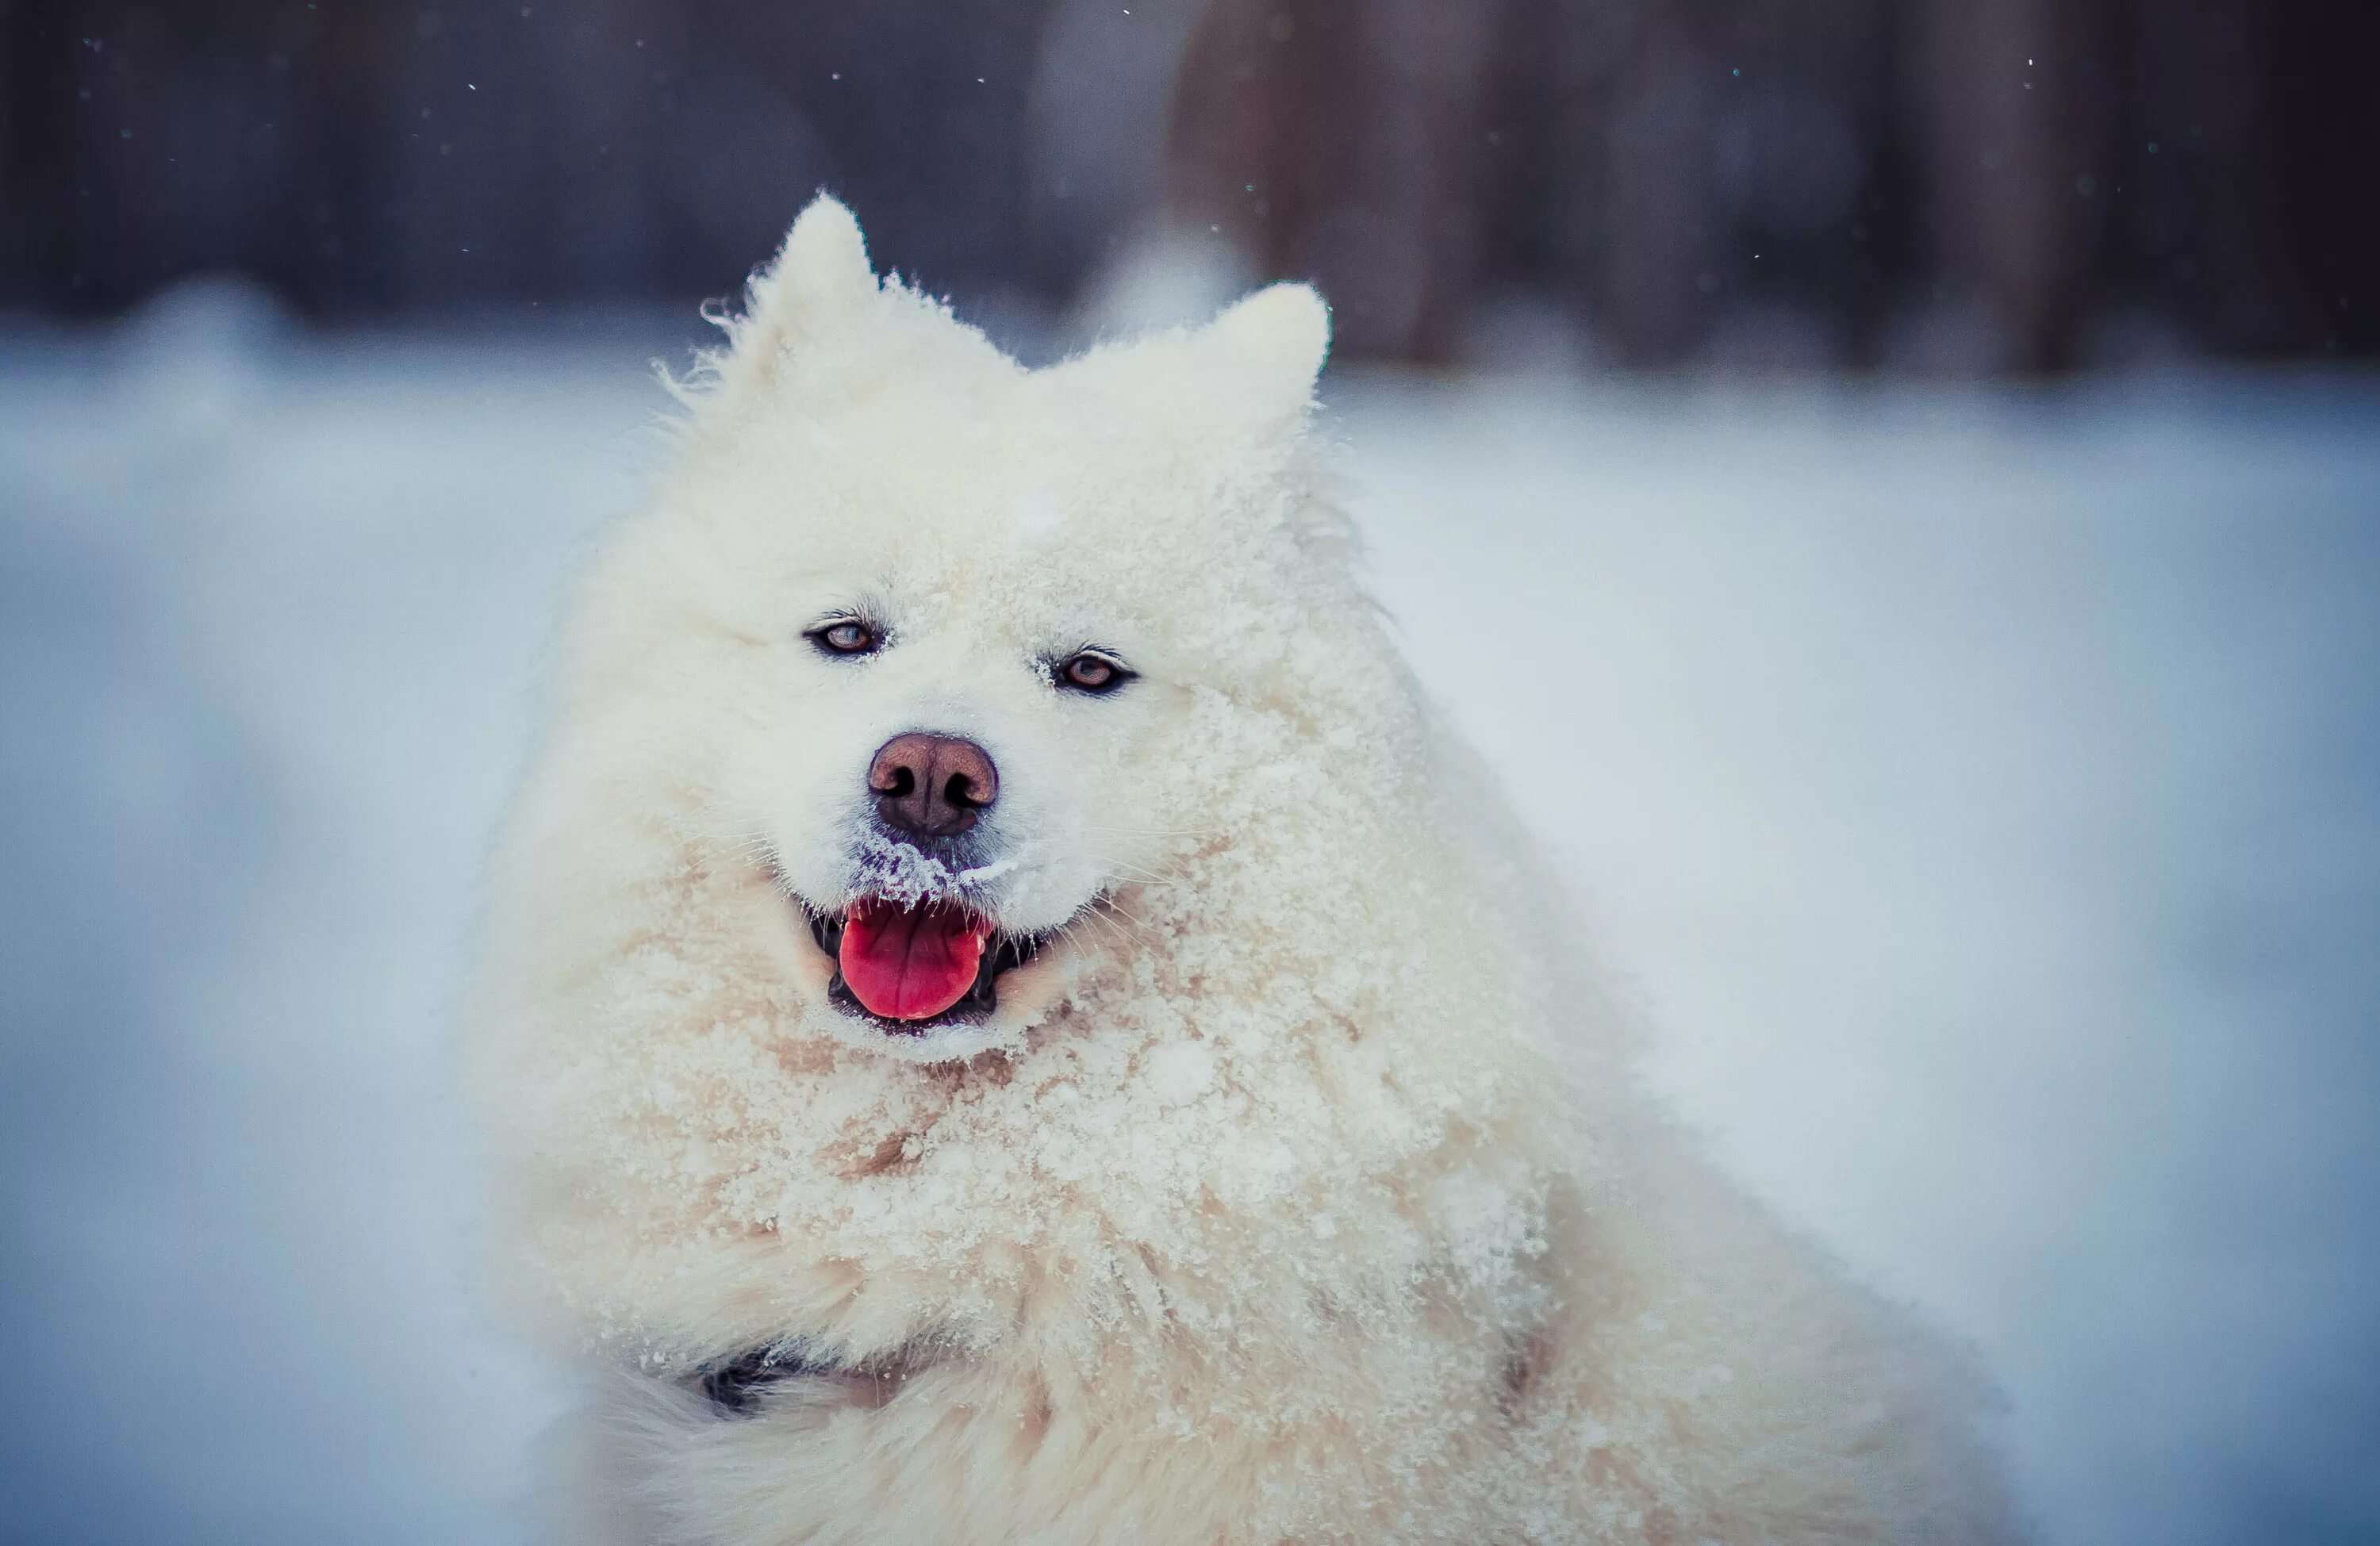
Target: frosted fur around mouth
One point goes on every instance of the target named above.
(900, 871)
(1309, 1192)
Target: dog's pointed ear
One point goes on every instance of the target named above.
(819, 277)
(1278, 338)
(820, 272)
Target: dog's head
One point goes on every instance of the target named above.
(927, 631)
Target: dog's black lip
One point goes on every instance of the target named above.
(736, 1383)
(1005, 953)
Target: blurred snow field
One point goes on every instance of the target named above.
(1981, 788)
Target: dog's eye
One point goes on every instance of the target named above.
(1090, 671)
(845, 635)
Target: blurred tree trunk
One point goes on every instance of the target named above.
(2000, 92)
(1659, 229)
(1338, 140)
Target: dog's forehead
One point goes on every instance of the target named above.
(1049, 510)
(1040, 492)
(1019, 573)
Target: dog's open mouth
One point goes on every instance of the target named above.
(914, 966)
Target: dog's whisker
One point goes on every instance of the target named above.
(1139, 874)
(1109, 905)
(1073, 928)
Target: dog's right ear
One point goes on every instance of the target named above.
(820, 277)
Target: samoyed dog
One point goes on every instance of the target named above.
(1006, 1016)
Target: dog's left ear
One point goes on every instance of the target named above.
(1275, 341)
(820, 277)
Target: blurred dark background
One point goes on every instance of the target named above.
(1958, 186)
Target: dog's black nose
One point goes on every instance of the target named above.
(932, 786)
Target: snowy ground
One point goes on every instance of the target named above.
(1981, 786)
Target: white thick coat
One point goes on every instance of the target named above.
(1301, 1190)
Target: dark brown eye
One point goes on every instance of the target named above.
(845, 635)
(1090, 671)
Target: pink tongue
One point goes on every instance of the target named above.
(910, 963)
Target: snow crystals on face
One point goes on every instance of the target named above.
(900, 872)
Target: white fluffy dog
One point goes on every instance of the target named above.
(1006, 1018)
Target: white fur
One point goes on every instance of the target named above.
(1300, 1192)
